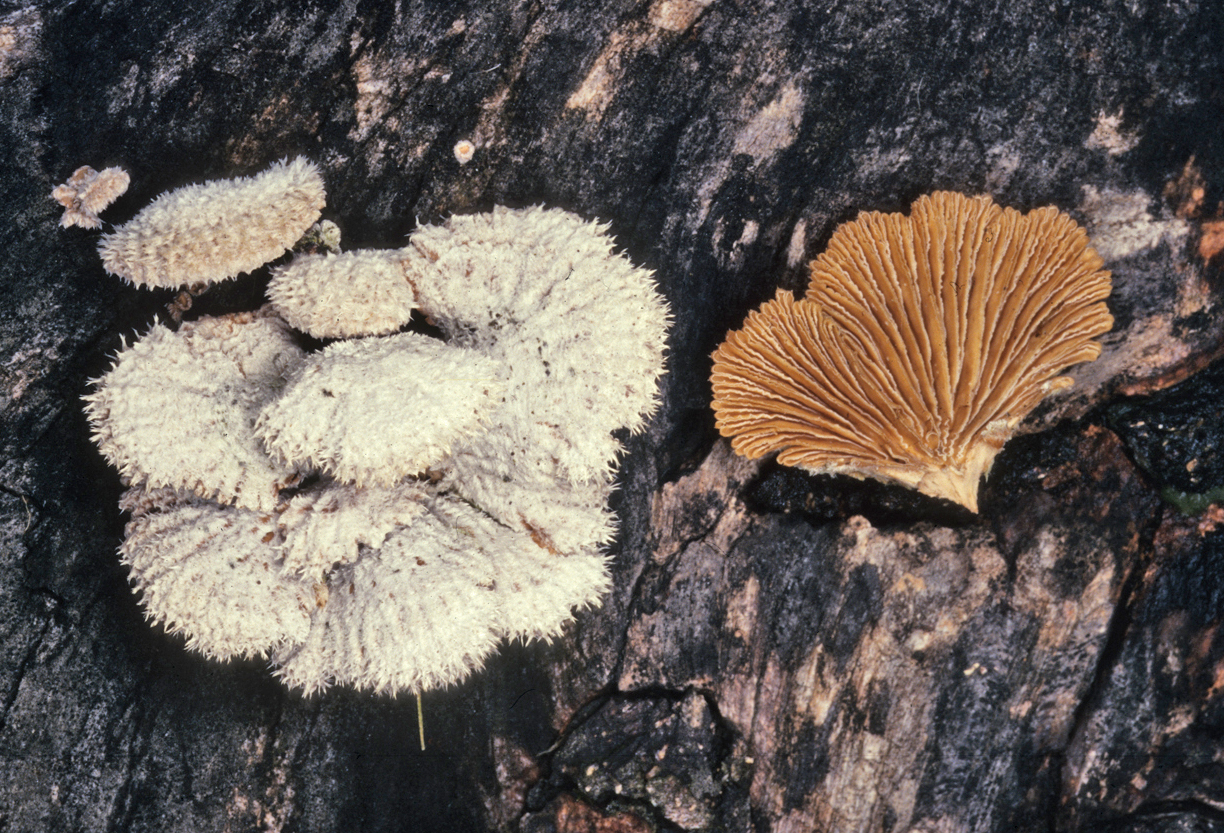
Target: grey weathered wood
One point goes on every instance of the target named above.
(779, 652)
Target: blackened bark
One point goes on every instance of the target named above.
(779, 652)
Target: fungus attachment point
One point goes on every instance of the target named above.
(920, 345)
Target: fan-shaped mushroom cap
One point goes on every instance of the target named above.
(416, 614)
(178, 408)
(376, 410)
(563, 517)
(582, 331)
(340, 295)
(537, 590)
(327, 527)
(920, 345)
(426, 608)
(213, 572)
(217, 230)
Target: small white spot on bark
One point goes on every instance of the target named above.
(796, 249)
(464, 151)
(1119, 224)
(1109, 136)
(774, 128)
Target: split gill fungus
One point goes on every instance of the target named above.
(920, 345)
(383, 510)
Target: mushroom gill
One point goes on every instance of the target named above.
(921, 343)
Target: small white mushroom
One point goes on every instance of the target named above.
(357, 293)
(215, 231)
(178, 408)
(464, 151)
(375, 410)
(87, 193)
(213, 573)
(563, 517)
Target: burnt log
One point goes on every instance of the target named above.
(779, 651)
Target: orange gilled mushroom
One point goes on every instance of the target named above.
(921, 343)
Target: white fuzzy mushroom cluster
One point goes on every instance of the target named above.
(383, 511)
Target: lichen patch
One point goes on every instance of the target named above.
(1120, 224)
(665, 19)
(677, 15)
(599, 85)
(1212, 241)
(1108, 135)
(773, 128)
(19, 39)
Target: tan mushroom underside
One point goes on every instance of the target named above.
(921, 343)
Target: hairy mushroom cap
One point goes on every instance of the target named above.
(581, 330)
(215, 231)
(425, 608)
(537, 590)
(213, 573)
(920, 345)
(327, 527)
(375, 410)
(337, 296)
(87, 193)
(562, 517)
(383, 580)
(417, 613)
(178, 408)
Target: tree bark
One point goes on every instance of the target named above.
(779, 652)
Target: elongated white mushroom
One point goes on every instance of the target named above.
(215, 231)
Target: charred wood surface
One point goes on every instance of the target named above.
(779, 652)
